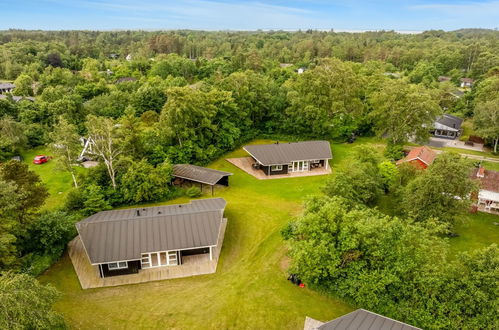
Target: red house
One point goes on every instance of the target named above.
(421, 157)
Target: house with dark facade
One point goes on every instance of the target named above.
(140, 242)
(360, 319)
(6, 87)
(288, 158)
(447, 126)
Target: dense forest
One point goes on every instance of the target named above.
(148, 100)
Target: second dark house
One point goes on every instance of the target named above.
(293, 157)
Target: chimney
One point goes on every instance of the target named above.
(481, 172)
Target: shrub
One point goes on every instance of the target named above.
(193, 192)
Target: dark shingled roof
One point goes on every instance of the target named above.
(198, 173)
(284, 153)
(450, 121)
(120, 235)
(364, 320)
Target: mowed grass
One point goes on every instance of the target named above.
(475, 231)
(57, 182)
(250, 288)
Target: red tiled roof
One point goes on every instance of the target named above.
(424, 153)
(489, 181)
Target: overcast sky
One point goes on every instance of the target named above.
(401, 15)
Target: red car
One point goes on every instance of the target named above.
(40, 159)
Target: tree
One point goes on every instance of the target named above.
(23, 86)
(144, 183)
(9, 202)
(443, 191)
(326, 101)
(486, 121)
(105, 142)
(389, 174)
(51, 232)
(29, 187)
(12, 137)
(402, 110)
(27, 304)
(66, 146)
(392, 266)
(360, 181)
(378, 262)
(94, 200)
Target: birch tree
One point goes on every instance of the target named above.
(66, 146)
(103, 133)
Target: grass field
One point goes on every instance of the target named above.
(58, 182)
(249, 290)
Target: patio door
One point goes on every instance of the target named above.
(159, 259)
(300, 166)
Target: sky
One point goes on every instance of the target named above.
(355, 15)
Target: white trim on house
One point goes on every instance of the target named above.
(294, 160)
(119, 265)
(416, 158)
(276, 168)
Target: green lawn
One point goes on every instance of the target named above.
(475, 231)
(249, 290)
(58, 182)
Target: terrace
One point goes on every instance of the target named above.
(89, 278)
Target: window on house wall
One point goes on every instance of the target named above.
(117, 265)
(276, 168)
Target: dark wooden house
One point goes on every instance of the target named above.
(121, 242)
(284, 158)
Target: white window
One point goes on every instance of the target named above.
(276, 168)
(117, 265)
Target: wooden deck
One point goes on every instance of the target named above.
(246, 164)
(192, 265)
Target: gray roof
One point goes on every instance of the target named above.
(364, 320)
(449, 121)
(7, 86)
(18, 98)
(284, 153)
(120, 235)
(198, 173)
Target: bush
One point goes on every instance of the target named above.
(193, 192)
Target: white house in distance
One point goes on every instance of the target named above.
(466, 82)
(488, 195)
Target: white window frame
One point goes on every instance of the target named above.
(119, 265)
(274, 168)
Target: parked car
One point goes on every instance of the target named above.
(40, 159)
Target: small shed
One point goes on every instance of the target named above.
(201, 175)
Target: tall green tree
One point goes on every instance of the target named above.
(402, 110)
(144, 183)
(27, 304)
(441, 192)
(66, 146)
(326, 101)
(23, 85)
(486, 121)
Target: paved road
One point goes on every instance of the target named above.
(485, 158)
